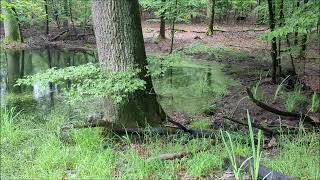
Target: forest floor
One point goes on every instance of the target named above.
(247, 61)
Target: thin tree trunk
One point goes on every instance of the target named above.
(120, 44)
(274, 41)
(66, 14)
(71, 18)
(304, 44)
(47, 16)
(296, 34)
(279, 40)
(210, 16)
(172, 26)
(162, 34)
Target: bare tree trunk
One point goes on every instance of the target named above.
(66, 14)
(274, 53)
(120, 44)
(304, 45)
(279, 40)
(47, 16)
(296, 32)
(162, 34)
(172, 26)
(210, 16)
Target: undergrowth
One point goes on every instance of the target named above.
(31, 148)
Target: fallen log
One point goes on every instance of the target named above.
(263, 173)
(58, 35)
(312, 120)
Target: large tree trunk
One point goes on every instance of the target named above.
(119, 39)
(210, 16)
(274, 53)
(11, 25)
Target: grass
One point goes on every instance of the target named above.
(294, 99)
(200, 124)
(315, 102)
(31, 148)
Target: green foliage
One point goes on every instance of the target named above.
(159, 64)
(294, 99)
(301, 20)
(27, 11)
(315, 102)
(170, 10)
(89, 80)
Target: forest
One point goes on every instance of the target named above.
(160, 89)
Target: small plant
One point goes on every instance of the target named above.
(315, 102)
(257, 92)
(256, 153)
(294, 99)
(278, 89)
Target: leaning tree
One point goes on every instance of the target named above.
(120, 45)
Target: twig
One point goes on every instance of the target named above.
(258, 126)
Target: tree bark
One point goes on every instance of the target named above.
(120, 44)
(66, 14)
(274, 53)
(47, 16)
(172, 26)
(304, 44)
(210, 16)
(162, 34)
(11, 25)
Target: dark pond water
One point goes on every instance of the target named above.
(187, 87)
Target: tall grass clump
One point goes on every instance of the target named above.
(315, 102)
(255, 153)
(294, 99)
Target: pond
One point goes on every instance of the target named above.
(189, 86)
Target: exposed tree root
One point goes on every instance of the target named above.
(312, 120)
(159, 130)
